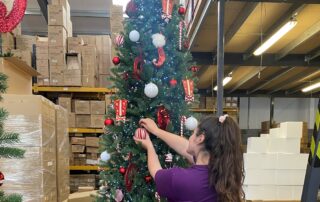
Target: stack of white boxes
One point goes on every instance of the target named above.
(274, 167)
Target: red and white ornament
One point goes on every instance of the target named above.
(188, 89)
(119, 40)
(167, 6)
(182, 122)
(11, 14)
(159, 41)
(169, 158)
(119, 195)
(121, 109)
(116, 60)
(1, 178)
(141, 133)
(182, 24)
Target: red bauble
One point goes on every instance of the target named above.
(116, 60)
(108, 122)
(1, 178)
(163, 117)
(148, 178)
(194, 68)
(122, 170)
(131, 9)
(173, 82)
(182, 10)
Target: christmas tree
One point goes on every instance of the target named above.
(6, 139)
(154, 78)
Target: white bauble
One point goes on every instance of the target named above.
(191, 123)
(134, 36)
(105, 156)
(151, 90)
(158, 40)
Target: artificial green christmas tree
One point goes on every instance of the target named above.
(6, 139)
(154, 78)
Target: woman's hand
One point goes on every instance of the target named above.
(146, 143)
(150, 125)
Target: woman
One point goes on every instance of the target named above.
(215, 151)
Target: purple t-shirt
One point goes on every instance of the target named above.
(185, 184)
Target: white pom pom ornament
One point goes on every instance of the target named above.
(134, 36)
(158, 40)
(151, 90)
(105, 156)
(191, 123)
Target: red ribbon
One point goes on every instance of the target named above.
(138, 67)
(129, 176)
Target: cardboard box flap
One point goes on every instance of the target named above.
(21, 65)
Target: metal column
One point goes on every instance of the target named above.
(220, 56)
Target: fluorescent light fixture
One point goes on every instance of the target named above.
(312, 87)
(275, 37)
(224, 82)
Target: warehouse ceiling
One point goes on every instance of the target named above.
(88, 17)
(283, 70)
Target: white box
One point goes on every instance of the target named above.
(260, 177)
(264, 135)
(259, 161)
(292, 129)
(260, 192)
(284, 145)
(257, 145)
(290, 177)
(275, 132)
(284, 193)
(297, 192)
(292, 161)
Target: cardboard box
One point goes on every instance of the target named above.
(17, 70)
(104, 81)
(273, 145)
(98, 107)
(77, 148)
(257, 145)
(72, 77)
(92, 141)
(260, 177)
(259, 161)
(56, 77)
(7, 42)
(82, 197)
(97, 121)
(210, 102)
(43, 81)
(57, 36)
(39, 142)
(104, 63)
(25, 42)
(290, 177)
(57, 16)
(93, 156)
(291, 129)
(88, 40)
(74, 44)
(65, 102)
(42, 63)
(92, 162)
(62, 153)
(92, 150)
(78, 140)
(81, 106)
(57, 50)
(74, 62)
(57, 60)
(83, 121)
(42, 46)
(103, 44)
(24, 55)
(72, 120)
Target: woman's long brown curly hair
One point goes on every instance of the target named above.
(226, 172)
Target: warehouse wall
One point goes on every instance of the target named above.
(285, 109)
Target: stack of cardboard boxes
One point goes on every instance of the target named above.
(85, 150)
(42, 60)
(274, 167)
(77, 181)
(35, 177)
(84, 113)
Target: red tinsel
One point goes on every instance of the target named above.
(9, 21)
(129, 176)
(137, 67)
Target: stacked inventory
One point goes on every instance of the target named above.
(76, 181)
(85, 150)
(42, 60)
(34, 177)
(274, 167)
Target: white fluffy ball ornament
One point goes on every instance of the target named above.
(105, 156)
(134, 36)
(158, 40)
(151, 90)
(191, 123)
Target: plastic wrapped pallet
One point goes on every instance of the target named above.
(62, 153)
(34, 177)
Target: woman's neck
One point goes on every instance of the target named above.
(202, 158)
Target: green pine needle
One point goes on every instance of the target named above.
(9, 138)
(6, 152)
(10, 198)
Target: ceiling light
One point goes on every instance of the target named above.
(275, 37)
(224, 82)
(311, 87)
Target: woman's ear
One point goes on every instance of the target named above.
(200, 138)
